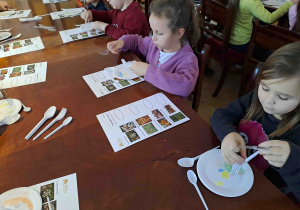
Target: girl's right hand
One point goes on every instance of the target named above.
(115, 46)
(87, 16)
(231, 144)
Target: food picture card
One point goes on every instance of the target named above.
(16, 14)
(60, 193)
(77, 34)
(104, 82)
(21, 46)
(52, 1)
(23, 75)
(132, 123)
(67, 13)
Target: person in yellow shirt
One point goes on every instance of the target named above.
(246, 10)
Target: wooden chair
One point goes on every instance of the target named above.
(220, 51)
(144, 5)
(268, 37)
(252, 81)
(198, 87)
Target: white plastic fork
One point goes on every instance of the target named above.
(236, 168)
(6, 29)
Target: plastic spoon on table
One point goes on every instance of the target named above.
(10, 120)
(189, 162)
(65, 122)
(48, 114)
(26, 109)
(193, 179)
(12, 38)
(58, 117)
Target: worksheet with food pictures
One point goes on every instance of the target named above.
(135, 122)
(72, 12)
(59, 194)
(104, 82)
(21, 46)
(52, 1)
(23, 75)
(77, 34)
(15, 14)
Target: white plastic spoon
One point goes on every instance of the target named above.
(193, 179)
(26, 109)
(65, 122)
(6, 29)
(48, 114)
(10, 120)
(58, 117)
(15, 37)
(189, 162)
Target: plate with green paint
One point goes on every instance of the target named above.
(215, 175)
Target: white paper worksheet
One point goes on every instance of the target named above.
(135, 122)
(52, 1)
(15, 47)
(23, 75)
(104, 82)
(62, 193)
(67, 13)
(274, 3)
(17, 14)
(77, 34)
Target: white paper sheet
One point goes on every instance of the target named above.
(104, 82)
(62, 193)
(274, 3)
(67, 13)
(76, 34)
(52, 1)
(23, 75)
(18, 14)
(15, 47)
(135, 122)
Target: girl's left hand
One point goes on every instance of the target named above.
(279, 153)
(97, 25)
(139, 68)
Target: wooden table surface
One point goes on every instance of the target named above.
(142, 176)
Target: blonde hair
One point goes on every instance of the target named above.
(283, 63)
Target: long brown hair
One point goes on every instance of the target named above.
(283, 63)
(180, 14)
(297, 24)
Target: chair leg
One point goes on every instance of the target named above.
(221, 80)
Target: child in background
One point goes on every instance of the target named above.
(97, 5)
(246, 10)
(126, 18)
(171, 64)
(4, 5)
(275, 104)
(294, 18)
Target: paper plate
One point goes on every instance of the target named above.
(9, 107)
(6, 13)
(123, 72)
(4, 35)
(215, 175)
(22, 198)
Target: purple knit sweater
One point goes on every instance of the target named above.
(178, 75)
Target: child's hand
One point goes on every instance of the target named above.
(231, 144)
(279, 153)
(4, 5)
(87, 16)
(115, 46)
(139, 68)
(98, 26)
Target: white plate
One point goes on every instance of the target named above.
(9, 107)
(215, 175)
(4, 35)
(25, 197)
(123, 72)
(6, 13)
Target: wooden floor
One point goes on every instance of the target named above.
(228, 93)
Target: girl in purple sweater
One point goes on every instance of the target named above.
(170, 61)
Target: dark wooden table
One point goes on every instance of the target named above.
(142, 176)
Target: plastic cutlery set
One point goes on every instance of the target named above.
(49, 114)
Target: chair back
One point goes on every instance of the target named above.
(252, 81)
(198, 87)
(144, 5)
(220, 13)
